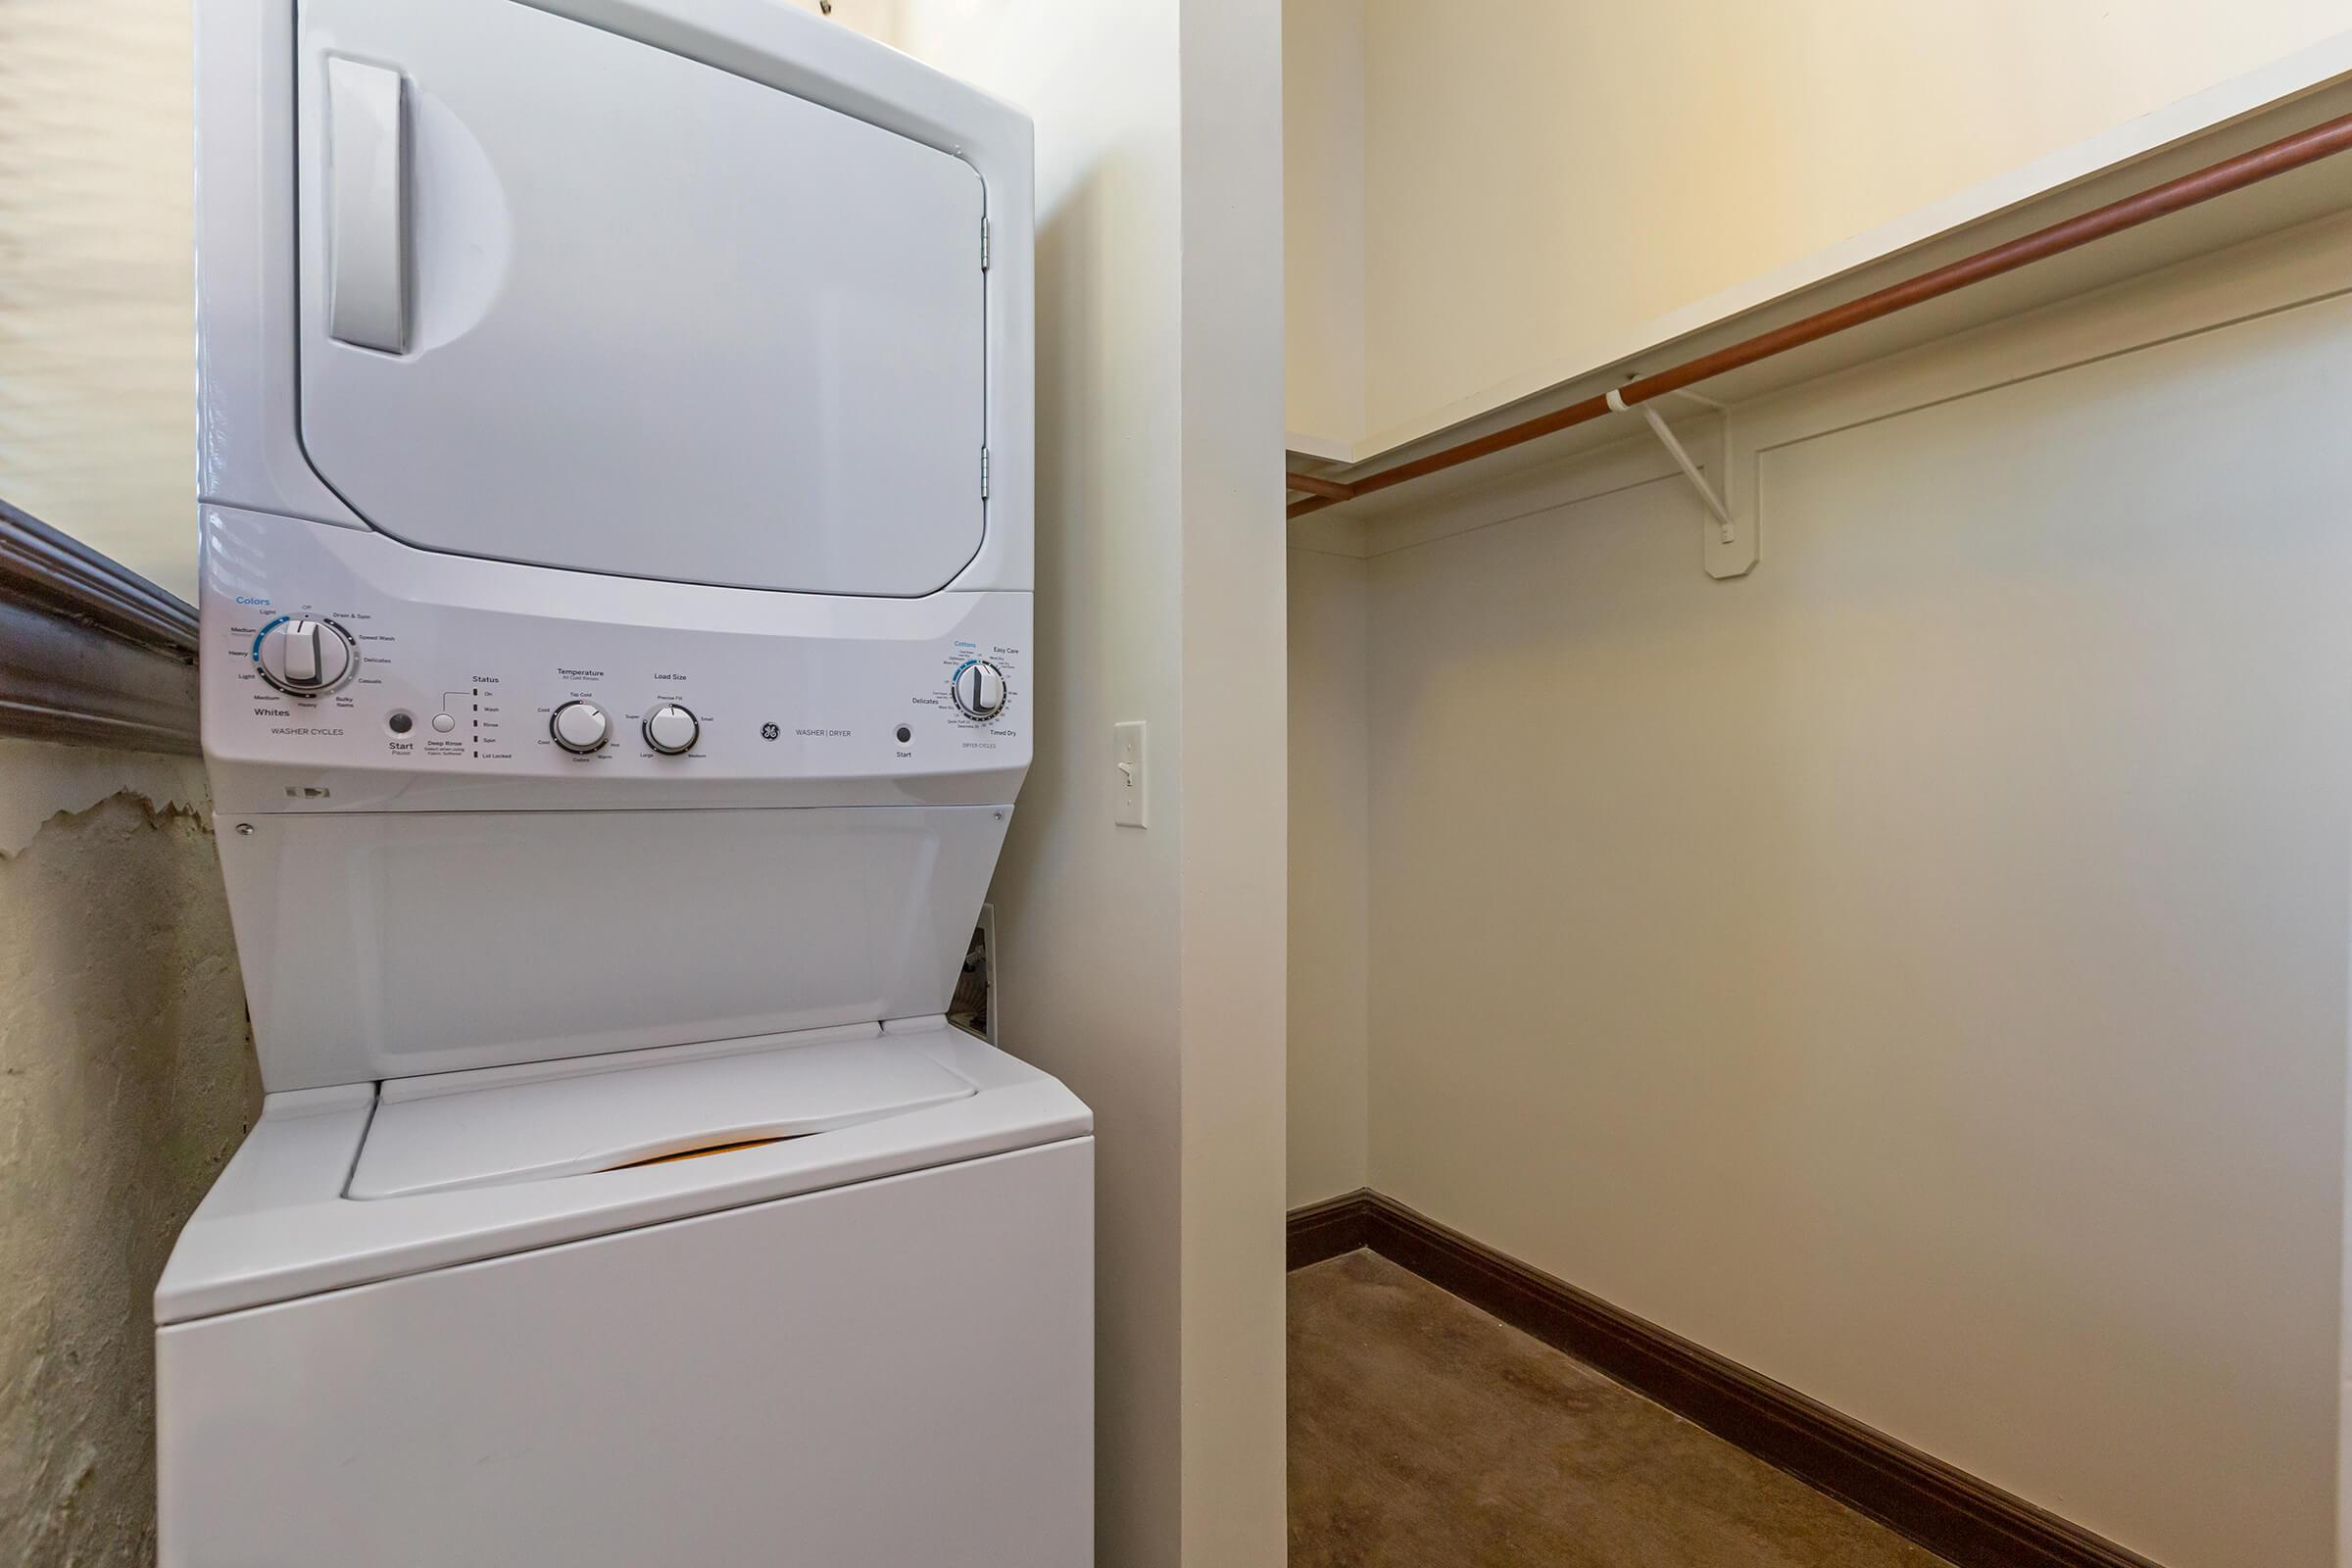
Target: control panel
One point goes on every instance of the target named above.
(355, 653)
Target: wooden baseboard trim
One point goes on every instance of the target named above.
(1330, 1228)
(1952, 1513)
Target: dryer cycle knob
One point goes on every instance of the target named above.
(979, 689)
(673, 729)
(307, 657)
(580, 726)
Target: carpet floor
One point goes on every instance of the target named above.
(1424, 1431)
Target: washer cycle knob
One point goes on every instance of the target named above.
(979, 689)
(673, 729)
(580, 726)
(307, 657)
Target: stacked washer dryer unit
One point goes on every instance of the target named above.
(616, 461)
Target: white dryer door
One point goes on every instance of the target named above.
(570, 300)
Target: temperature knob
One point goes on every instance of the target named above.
(307, 657)
(979, 689)
(673, 729)
(579, 726)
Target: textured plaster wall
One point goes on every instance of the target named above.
(126, 1078)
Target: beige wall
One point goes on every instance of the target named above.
(1541, 177)
(1917, 970)
(876, 19)
(1231, 772)
(1330, 865)
(97, 277)
(1144, 968)
(1323, 212)
(127, 1079)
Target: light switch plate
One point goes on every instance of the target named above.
(1127, 774)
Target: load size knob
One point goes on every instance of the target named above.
(979, 689)
(307, 657)
(580, 726)
(673, 729)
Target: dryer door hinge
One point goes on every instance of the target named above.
(984, 244)
(984, 473)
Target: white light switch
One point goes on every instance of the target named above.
(1127, 773)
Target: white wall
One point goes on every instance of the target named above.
(1917, 970)
(1144, 968)
(1330, 866)
(1539, 176)
(1323, 219)
(97, 277)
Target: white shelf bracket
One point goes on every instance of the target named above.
(1731, 549)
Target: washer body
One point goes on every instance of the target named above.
(862, 1347)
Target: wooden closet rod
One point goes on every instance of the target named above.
(2322, 140)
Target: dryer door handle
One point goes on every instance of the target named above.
(368, 206)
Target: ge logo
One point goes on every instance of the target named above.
(769, 732)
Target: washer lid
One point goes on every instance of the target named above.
(499, 1125)
(279, 1223)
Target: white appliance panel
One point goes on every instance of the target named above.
(497, 648)
(382, 945)
(573, 300)
(766, 1384)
